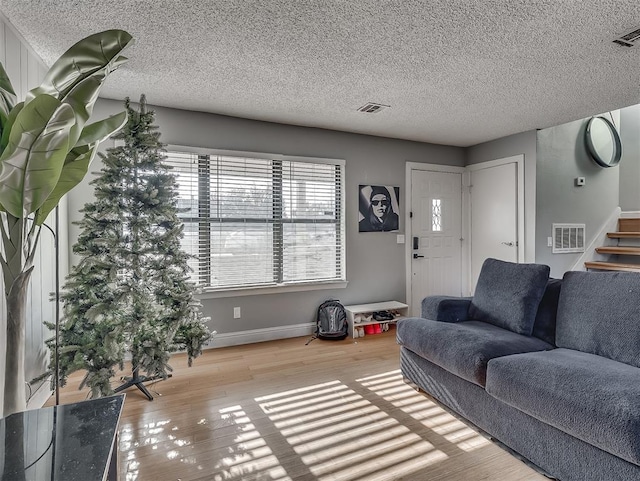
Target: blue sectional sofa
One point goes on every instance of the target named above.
(549, 368)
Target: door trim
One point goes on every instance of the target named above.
(519, 161)
(465, 251)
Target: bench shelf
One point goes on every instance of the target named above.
(359, 315)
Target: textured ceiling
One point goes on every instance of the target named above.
(453, 72)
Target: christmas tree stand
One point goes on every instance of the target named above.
(138, 381)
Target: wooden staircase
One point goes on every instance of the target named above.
(628, 232)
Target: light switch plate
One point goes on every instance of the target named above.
(400, 238)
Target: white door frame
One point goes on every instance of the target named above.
(465, 251)
(519, 161)
(466, 209)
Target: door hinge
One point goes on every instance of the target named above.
(410, 215)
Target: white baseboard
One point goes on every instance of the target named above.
(227, 339)
(41, 396)
(630, 214)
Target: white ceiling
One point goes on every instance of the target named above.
(454, 72)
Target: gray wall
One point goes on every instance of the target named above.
(630, 162)
(375, 262)
(562, 156)
(523, 143)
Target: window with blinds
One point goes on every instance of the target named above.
(252, 222)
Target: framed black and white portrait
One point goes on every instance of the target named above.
(379, 208)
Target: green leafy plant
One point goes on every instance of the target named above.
(46, 147)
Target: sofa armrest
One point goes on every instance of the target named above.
(446, 308)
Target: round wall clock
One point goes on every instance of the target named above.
(603, 142)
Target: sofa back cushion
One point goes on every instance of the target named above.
(507, 295)
(545, 325)
(599, 313)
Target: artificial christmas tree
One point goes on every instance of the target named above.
(130, 291)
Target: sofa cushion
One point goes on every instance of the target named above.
(589, 397)
(507, 294)
(545, 325)
(463, 348)
(599, 313)
(446, 308)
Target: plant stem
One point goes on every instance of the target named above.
(16, 278)
(14, 381)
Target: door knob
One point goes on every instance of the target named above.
(416, 256)
(510, 244)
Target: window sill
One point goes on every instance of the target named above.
(278, 289)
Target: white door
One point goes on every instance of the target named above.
(494, 215)
(436, 232)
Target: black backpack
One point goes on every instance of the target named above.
(331, 322)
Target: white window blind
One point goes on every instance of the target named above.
(259, 222)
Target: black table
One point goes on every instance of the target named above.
(73, 442)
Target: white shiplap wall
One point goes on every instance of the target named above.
(26, 70)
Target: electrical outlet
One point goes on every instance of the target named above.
(236, 313)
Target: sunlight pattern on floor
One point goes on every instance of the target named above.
(341, 436)
(249, 457)
(151, 435)
(391, 387)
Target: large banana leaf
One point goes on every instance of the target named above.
(73, 171)
(7, 97)
(6, 127)
(78, 160)
(85, 58)
(83, 98)
(102, 130)
(30, 166)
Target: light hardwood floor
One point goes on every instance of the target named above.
(285, 411)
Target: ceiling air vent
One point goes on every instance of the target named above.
(631, 39)
(568, 238)
(372, 108)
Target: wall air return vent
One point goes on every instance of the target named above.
(568, 238)
(631, 39)
(372, 108)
